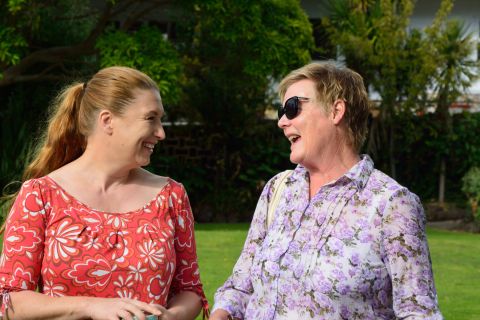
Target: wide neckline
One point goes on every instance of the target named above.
(147, 205)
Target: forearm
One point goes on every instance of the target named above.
(231, 298)
(34, 305)
(185, 305)
(27, 305)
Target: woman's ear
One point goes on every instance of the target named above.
(105, 121)
(338, 111)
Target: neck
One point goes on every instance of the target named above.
(103, 173)
(331, 167)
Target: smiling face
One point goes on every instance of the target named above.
(313, 133)
(139, 128)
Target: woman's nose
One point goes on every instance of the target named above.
(283, 122)
(160, 133)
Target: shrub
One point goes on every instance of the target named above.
(471, 188)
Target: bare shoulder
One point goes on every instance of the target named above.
(64, 175)
(152, 180)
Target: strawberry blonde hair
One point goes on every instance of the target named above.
(73, 116)
(74, 113)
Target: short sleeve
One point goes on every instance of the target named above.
(187, 274)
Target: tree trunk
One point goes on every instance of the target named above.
(391, 151)
(441, 181)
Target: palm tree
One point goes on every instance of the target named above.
(456, 69)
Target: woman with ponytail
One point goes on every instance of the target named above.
(92, 235)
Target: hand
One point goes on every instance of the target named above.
(120, 308)
(220, 314)
(165, 314)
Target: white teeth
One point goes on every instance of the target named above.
(149, 145)
(293, 138)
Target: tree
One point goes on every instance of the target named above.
(375, 38)
(145, 49)
(452, 48)
(234, 53)
(54, 40)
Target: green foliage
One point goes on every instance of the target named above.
(471, 188)
(451, 49)
(15, 5)
(235, 49)
(28, 27)
(64, 23)
(148, 51)
(234, 52)
(42, 24)
(12, 46)
(403, 65)
(18, 139)
(419, 142)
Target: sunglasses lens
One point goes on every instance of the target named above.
(291, 108)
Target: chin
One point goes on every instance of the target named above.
(294, 159)
(143, 162)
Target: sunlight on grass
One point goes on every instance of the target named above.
(218, 248)
(456, 267)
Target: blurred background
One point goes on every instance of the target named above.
(217, 63)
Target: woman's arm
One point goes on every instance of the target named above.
(186, 296)
(407, 258)
(25, 305)
(232, 298)
(184, 305)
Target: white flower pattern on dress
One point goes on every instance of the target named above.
(59, 246)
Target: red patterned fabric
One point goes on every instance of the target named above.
(57, 244)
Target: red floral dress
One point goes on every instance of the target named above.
(59, 245)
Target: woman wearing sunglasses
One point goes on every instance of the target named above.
(346, 241)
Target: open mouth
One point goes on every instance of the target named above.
(149, 146)
(293, 138)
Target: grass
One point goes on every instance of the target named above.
(218, 248)
(456, 267)
(455, 259)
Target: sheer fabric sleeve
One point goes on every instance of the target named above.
(235, 293)
(187, 274)
(407, 258)
(23, 242)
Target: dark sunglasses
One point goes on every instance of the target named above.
(291, 107)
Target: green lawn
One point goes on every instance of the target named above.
(456, 266)
(455, 258)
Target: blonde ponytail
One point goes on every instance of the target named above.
(62, 141)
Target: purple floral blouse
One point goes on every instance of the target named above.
(356, 250)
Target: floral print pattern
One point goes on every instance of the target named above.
(356, 250)
(61, 247)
